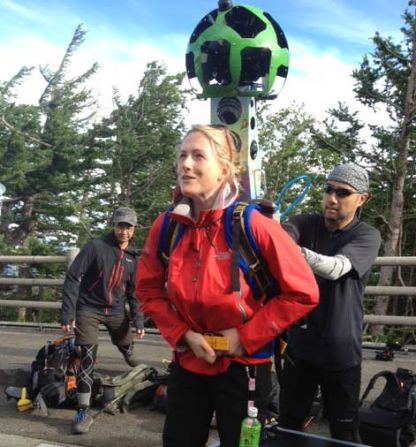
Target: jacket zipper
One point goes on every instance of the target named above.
(241, 307)
(114, 278)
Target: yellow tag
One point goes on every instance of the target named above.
(217, 342)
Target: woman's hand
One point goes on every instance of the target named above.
(199, 346)
(235, 346)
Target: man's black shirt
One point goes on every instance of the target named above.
(331, 335)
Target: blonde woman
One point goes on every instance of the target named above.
(194, 296)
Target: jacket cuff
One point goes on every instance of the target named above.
(138, 321)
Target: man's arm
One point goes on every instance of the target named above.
(328, 267)
(70, 289)
(358, 254)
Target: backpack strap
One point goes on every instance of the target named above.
(235, 214)
(388, 375)
(170, 234)
(245, 252)
(412, 400)
(63, 339)
(246, 255)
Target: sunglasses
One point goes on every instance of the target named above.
(341, 193)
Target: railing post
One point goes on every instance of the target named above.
(71, 255)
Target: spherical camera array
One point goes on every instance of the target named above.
(237, 51)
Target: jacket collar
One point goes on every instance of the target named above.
(111, 239)
(182, 210)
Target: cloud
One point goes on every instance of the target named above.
(32, 51)
(317, 78)
(348, 23)
(17, 9)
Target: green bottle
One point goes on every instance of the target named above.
(250, 430)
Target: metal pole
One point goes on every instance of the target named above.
(31, 304)
(32, 259)
(395, 260)
(394, 320)
(31, 282)
(390, 290)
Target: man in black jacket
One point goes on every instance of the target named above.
(94, 292)
(325, 347)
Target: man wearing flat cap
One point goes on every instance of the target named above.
(325, 347)
(96, 288)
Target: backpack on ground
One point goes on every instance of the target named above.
(390, 419)
(129, 390)
(53, 372)
(245, 251)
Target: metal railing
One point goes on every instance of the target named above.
(43, 282)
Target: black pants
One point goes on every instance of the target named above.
(193, 398)
(340, 393)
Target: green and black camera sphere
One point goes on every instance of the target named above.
(237, 51)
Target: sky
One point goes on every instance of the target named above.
(327, 41)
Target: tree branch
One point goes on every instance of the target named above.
(23, 134)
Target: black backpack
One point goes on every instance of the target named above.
(53, 372)
(390, 420)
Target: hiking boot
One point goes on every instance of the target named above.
(82, 421)
(132, 360)
(128, 354)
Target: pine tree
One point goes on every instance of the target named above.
(137, 146)
(44, 148)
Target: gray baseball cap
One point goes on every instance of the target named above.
(350, 173)
(124, 214)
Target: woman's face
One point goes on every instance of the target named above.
(200, 173)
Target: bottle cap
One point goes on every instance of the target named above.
(252, 412)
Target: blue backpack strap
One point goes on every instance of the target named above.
(244, 247)
(258, 275)
(171, 232)
(265, 352)
(237, 218)
(256, 272)
(246, 255)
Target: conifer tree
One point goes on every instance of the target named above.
(137, 145)
(43, 148)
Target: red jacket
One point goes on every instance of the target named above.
(198, 293)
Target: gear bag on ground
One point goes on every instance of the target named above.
(389, 421)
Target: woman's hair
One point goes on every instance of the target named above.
(222, 141)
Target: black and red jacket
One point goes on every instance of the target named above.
(100, 280)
